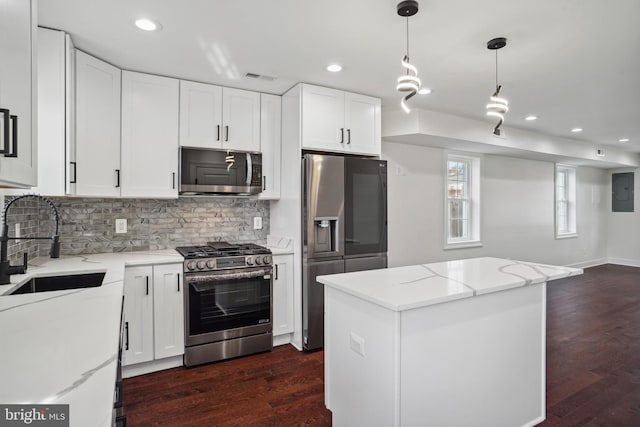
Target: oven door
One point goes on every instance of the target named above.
(221, 305)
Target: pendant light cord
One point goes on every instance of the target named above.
(407, 55)
(496, 69)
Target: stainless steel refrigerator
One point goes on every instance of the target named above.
(344, 221)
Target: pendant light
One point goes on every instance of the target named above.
(408, 82)
(497, 106)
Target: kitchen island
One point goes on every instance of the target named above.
(455, 343)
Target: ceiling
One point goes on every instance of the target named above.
(572, 63)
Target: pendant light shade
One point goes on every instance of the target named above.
(408, 82)
(497, 106)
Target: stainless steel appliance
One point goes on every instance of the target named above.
(228, 301)
(204, 171)
(344, 222)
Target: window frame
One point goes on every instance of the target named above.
(570, 200)
(473, 200)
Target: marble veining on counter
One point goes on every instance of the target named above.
(62, 346)
(404, 288)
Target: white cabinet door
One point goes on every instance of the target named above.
(323, 118)
(270, 143)
(362, 124)
(51, 112)
(97, 127)
(18, 84)
(282, 294)
(149, 135)
(241, 119)
(168, 312)
(200, 115)
(138, 315)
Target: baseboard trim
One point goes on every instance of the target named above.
(590, 263)
(281, 339)
(152, 366)
(624, 261)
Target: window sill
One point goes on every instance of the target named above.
(566, 236)
(463, 245)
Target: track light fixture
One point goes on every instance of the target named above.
(497, 106)
(408, 82)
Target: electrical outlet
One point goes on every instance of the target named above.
(356, 342)
(257, 223)
(121, 225)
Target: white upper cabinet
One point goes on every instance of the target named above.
(97, 168)
(322, 118)
(270, 143)
(333, 120)
(54, 96)
(216, 117)
(18, 102)
(241, 119)
(200, 115)
(149, 135)
(363, 124)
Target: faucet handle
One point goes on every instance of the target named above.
(25, 260)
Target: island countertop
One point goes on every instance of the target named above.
(405, 288)
(61, 347)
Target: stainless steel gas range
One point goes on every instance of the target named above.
(228, 301)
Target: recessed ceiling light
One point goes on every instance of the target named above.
(623, 140)
(574, 130)
(147, 24)
(424, 91)
(531, 118)
(334, 68)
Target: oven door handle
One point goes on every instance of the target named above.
(202, 282)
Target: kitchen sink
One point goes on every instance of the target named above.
(60, 283)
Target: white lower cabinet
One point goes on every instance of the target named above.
(153, 313)
(168, 313)
(282, 294)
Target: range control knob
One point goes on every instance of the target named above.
(200, 265)
(267, 260)
(249, 260)
(210, 264)
(258, 261)
(191, 266)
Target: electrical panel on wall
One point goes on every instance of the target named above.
(622, 192)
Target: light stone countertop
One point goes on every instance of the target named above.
(405, 288)
(280, 245)
(62, 346)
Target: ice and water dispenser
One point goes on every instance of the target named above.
(325, 235)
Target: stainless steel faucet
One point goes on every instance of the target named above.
(6, 269)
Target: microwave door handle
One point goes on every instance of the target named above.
(249, 170)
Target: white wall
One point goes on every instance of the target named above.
(517, 210)
(624, 227)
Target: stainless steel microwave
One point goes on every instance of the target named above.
(205, 171)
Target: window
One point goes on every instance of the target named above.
(462, 192)
(565, 201)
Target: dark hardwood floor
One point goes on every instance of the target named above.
(281, 388)
(593, 369)
(593, 348)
